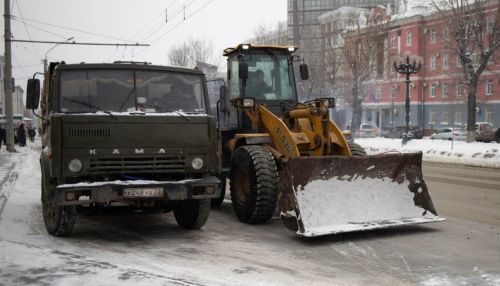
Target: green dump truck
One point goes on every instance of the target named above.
(130, 134)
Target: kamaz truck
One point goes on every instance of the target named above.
(125, 134)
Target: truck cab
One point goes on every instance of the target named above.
(125, 133)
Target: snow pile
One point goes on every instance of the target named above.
(336, 205)
(441, 151)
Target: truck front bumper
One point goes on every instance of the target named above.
(103, 192)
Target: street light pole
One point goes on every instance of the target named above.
(45, 65)
(407, 67)
(9, 124)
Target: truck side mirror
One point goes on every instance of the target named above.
(304, 72)
(223, 98)
(33, 93)
(243, 70)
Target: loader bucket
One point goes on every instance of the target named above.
(329, 195)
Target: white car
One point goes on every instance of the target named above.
(368, 130)
(449, 134)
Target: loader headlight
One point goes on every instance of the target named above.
(197, 163)
(248, 102)
(75, 165)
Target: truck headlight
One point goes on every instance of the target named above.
(75, 165)
(197, 163)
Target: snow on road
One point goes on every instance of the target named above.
(441, 151)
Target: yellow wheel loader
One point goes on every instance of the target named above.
(277, 151)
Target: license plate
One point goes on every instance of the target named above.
(143, 192)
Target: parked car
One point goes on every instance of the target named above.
(449, 134)
(368, 130)
(398, 132)
(485, 132)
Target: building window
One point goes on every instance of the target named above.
(488, 116)
(393, 92)
(473, 58)
(489, 87)
(393, 40)
(490, 24)
(445, 61)
(459, 89)
(446, 34)
(432, 117)
(408, 39)
(444, 118)
(378, 92)
(433, 35)
(459, 62)
(458, 118)
(433, 62)
(432, 90)
(445, 90)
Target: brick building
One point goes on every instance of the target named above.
(437, 92)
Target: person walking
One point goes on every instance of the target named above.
(21, 135)
(3, 136)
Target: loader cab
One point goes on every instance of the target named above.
(264, 73)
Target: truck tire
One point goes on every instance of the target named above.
(254, 184)
(192, 214)
(357, 150)
(217, 202)
(59, 220)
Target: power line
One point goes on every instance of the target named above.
(26, 28)
(73, 29)
(82, 43)
(43, 30)
(178, 24)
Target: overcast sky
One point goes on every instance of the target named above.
(226, 22)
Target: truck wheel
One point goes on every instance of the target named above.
(192, 214)
(357, 150)
(59, 220)
(254, 184)
(217, 202)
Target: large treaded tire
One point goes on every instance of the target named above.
(59, 220)
(357, 150)
(192, 214)
(254, 184)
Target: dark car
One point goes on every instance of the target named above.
(398, 132)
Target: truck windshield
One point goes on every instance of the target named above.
(270, 77)
(127, 90)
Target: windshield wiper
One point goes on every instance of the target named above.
(276, 59)
(89, 105)
(156, 107)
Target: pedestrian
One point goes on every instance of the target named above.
(31, 134)
(21, 135)
(3, 136)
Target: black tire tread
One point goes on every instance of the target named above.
(264, 184)
(357, 150)
(192, 214)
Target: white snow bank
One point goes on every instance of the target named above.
(441, 151)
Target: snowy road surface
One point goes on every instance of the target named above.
(150, 249)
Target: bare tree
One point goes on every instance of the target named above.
(361, 48)
(474, 29)
(190, 52)
(179, 55)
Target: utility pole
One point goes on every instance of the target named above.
(9, 125)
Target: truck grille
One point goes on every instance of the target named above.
(156, 164)
(89, 132)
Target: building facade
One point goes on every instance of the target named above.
(438, 92)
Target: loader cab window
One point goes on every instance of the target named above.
(270, 77)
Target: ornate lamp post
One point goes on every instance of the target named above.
(407, 64)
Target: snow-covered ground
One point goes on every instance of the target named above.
(441, 151)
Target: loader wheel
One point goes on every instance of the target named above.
(357, 150)
(59, 220)
(217, 202)
(192, 214)
(254, 184)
